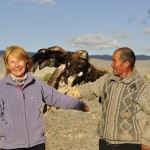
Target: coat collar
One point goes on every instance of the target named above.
(10, 81)
(126, 80)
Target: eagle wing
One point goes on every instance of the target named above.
(51, 57)
(93, 73)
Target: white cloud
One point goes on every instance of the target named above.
(94, 42)
(123, 36)
(39, 1)
(146, 30)
(147, 49)
(44, 1)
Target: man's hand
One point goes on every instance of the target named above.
(144, 147)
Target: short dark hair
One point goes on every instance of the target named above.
(126, 54)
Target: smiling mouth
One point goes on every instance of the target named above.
(17, 69)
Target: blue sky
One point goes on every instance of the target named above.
(98, 26)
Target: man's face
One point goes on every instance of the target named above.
(118, 65)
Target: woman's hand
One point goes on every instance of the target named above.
(86, 108)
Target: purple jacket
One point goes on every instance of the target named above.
(21, 123)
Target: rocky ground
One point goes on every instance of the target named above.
(72, 129)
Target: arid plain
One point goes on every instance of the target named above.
(76, 130)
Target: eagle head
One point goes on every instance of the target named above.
(82, 54)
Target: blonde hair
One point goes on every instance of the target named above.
(20, 54)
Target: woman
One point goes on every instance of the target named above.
(21, 96)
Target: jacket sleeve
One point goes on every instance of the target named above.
(144, 104)
(54, 98)
(92, 90)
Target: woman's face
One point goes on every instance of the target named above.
(16, 67)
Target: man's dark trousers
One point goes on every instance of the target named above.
(103, 145)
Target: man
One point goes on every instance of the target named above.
(125, 99)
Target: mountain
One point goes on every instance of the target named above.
(29, 53)
(108, 57)
(104, 57)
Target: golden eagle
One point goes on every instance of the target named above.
(72, 68)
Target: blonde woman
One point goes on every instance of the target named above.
(21, 96)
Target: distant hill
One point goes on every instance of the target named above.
(108, 57)
(104, 57)
(29, 53)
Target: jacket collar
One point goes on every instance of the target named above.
(10, 81)
(126, 80)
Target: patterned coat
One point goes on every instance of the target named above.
(125, 107)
